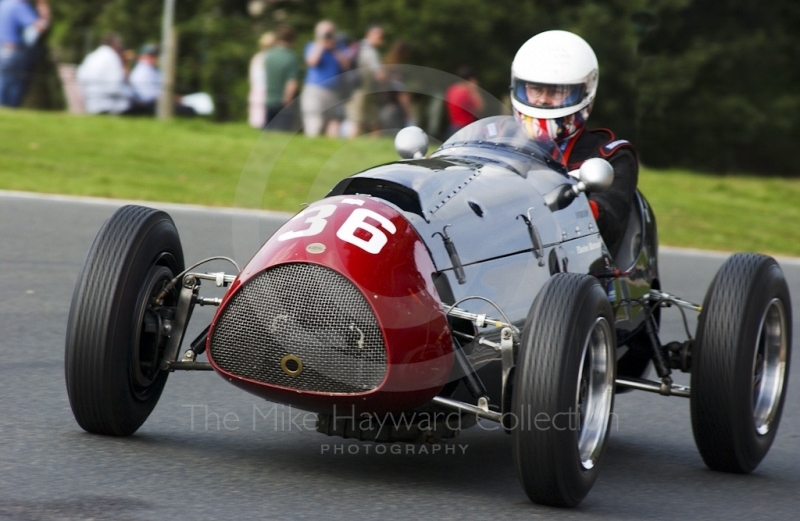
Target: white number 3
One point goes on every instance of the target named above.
(356, 221)
(317, 222)
(347, 232)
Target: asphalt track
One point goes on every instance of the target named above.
(186, 464)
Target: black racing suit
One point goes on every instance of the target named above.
(615, 203)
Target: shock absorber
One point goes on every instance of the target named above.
(659, 361)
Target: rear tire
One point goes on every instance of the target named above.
(740, 363)
(564, 390)
(114, 344)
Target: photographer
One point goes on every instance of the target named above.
(319, 99)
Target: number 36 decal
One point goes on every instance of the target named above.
(316, 218)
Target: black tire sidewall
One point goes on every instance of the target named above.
(722, 396)
(158, 238)
(101, 325)
(548, 461)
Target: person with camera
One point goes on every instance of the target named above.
(319, 99)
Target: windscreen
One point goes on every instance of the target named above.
(506, 133)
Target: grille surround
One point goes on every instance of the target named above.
(309, 311)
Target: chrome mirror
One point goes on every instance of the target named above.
(411, 143)
(595, 175)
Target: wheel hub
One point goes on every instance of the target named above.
(149, 339)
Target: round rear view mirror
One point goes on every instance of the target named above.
(411, 143)
(596, 174)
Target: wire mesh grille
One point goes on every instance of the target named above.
(308, 311)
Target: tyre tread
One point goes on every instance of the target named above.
(92, 319)
(714, 372)
(546, 328)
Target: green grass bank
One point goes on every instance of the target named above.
(198, 162)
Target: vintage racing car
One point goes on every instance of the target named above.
(469, 285)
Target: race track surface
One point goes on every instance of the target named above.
(210, 451)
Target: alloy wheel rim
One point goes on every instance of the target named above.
(594, 393)
(769, 366)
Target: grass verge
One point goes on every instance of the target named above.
(194, 161)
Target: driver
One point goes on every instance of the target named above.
(553, 83)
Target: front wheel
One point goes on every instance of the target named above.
(116, 332)
(564, 390)
(740, 363)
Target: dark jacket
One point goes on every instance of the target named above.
(614, 204)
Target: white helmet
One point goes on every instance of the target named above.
(554, 75)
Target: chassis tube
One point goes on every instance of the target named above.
(654, 387)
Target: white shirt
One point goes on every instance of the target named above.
(257, 98)
(369, 62)
(258, 78)
(145, 81)
(368, 57)
(102, 80)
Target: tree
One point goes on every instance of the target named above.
(706, 84)
(717, 87)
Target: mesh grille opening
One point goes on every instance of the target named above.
(308, 311)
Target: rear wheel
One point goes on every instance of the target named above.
(116, 332)
(740, 363)
(564, 390)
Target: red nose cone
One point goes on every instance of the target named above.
(338, 308)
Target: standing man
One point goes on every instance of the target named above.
(20, 28)
(102, 77)
(362, 109)
(145, 80)
(281, 65)
(320, 98)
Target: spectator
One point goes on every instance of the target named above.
(464, 101)
(257, 99)
(102, 78)
(20, 28)
(319, 98)
(349, 81)
(281, 69)
(362, 108)
(145, 81)
(349, 48)
(395, 112)
(146, 84)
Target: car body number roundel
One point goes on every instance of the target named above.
(317, 218)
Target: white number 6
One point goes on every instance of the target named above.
(357, 220)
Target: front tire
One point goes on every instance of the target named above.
(564, 390)
(740, 363)
(115, 341)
